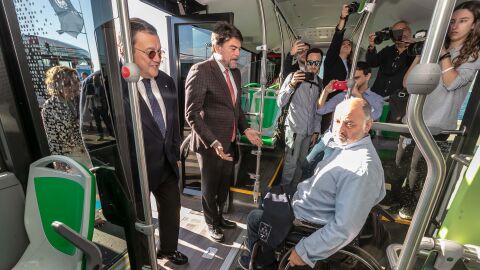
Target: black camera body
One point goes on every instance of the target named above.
(416, 48)
(353, 7)
(386, 34)
(309, 76)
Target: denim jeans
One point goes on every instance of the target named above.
(296, 150)
(318, 152)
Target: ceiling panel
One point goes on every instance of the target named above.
(314, 20)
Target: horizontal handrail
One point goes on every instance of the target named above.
(403, 128)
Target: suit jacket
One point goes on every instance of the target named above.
(208, 105)
(159, 151)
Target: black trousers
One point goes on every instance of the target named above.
(217, 175)
(167, 195)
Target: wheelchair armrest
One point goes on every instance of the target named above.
(304, 228)
(94, 256)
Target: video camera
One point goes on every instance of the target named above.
(416, 48)
(386, 34)
(353, 7)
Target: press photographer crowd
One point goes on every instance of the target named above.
(308, 101)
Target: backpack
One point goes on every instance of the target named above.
(277, 218)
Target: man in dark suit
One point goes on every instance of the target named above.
(212, 110)
(161, 134)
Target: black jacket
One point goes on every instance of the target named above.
(334, 69)
(288, 67)
(159, 151)
(392, 69)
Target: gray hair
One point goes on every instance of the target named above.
(139, 25)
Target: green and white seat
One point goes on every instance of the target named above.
(56, 197)
(251, 100)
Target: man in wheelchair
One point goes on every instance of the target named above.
(338, 197)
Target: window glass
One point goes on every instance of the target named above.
(196, 46)
(61, 33)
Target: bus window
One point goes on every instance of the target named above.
(60, 33)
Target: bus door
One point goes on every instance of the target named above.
(189, 43)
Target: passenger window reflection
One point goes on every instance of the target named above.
(60, 116)
(95, 119)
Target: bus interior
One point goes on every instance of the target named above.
(88, 36)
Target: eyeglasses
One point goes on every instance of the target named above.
(151, 53)
(314, 63)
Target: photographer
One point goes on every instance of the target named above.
(337, 59)
(300, 92)
(295, 59)
(459, 61)
(392, 61)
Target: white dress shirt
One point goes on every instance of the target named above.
(222, 68)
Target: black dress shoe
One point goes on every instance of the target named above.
(227, 224)
(175, 257)
(216, 233)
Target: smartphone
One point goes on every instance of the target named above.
(340, 85)
(309, 76)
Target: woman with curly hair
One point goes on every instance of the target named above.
(59, 115)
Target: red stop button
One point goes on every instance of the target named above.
(125, 72)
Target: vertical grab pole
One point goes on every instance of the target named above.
(263, 82)
(280, 76)
(369, 7)
(421, 134)
(146, 227)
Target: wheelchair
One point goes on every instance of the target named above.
(352, 256)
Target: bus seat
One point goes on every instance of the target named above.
(247, 96)
(13, 237)
(461, 222)
(384, 119)
(57, 201)
(270, 114)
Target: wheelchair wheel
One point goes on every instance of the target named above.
(349, 257)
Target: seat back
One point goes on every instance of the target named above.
(247, 96)
(270, 112)
(384, 119)
(13, 237)
(57, 195)
(461, 222)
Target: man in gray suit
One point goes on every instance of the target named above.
(212, 110)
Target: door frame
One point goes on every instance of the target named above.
(172, 24)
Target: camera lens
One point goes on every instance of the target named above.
(415, 49)
(353, 7)
(381, 36)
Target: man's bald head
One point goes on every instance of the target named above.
(352, 121)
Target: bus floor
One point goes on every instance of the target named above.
(202, 251)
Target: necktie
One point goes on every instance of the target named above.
(156, 111)
(232, 95)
